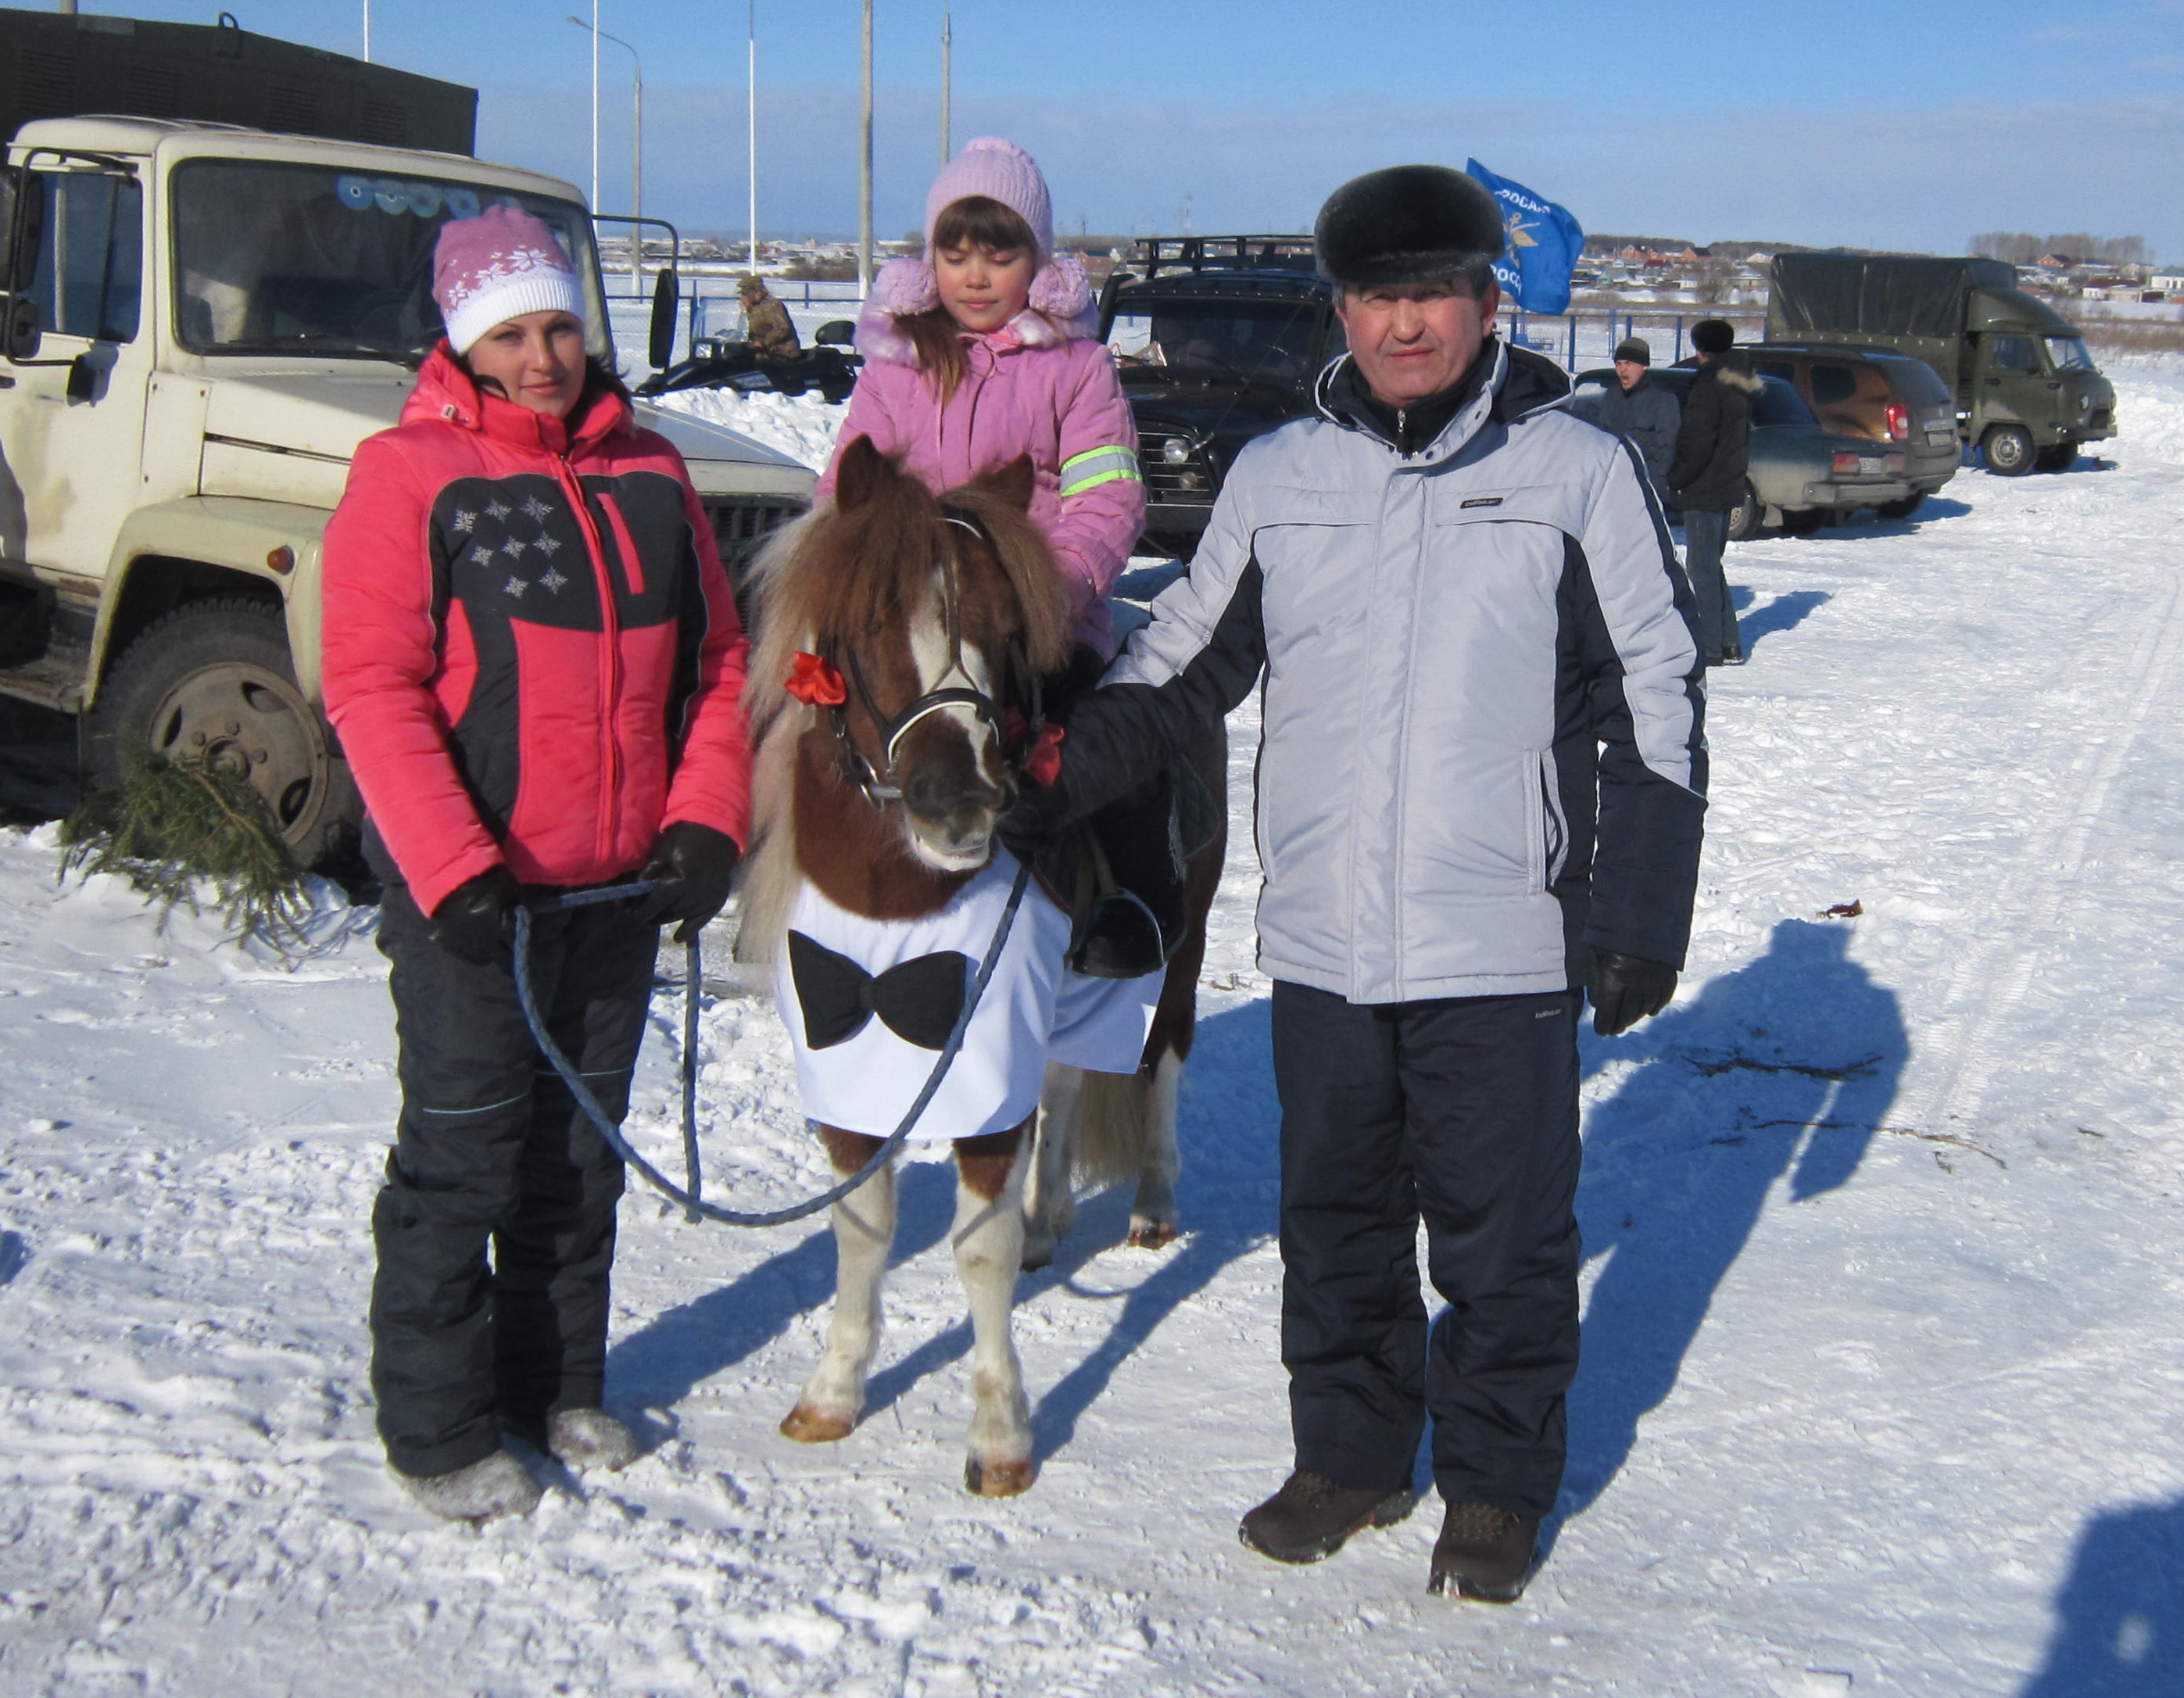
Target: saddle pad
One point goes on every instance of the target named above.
(1034, 1010)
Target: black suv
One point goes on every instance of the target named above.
(1219, 339)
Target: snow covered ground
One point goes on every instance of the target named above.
(1884, 1342)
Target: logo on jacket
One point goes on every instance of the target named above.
(1484, 501)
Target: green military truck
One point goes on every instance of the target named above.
(2027, 392)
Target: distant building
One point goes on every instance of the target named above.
(2169, 282)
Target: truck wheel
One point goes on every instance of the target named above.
(213, 680)
(2009, 450)
(1901, 509)
(2060, 457)
(1806, 521)
(1745, 519)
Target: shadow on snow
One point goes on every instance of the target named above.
(1780, 614)
(1783, 1068)
(2120, 1627)
(1226, 1200)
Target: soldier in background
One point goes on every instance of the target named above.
(766, 327)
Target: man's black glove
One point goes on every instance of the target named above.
(1625, 989)
(1034, 822)
(694, 866)
(476, 922)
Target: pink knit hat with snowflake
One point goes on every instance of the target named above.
(1000, 170)
(499, 265)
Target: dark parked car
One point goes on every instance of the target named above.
(1801, 476)
(1218, 340)
(1879, 396)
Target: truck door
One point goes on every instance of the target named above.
(72, 422)
(2012, 384)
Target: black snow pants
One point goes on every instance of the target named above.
(492, 1151)
(1462, 1113)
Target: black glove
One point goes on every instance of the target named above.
(694, 866)
(476, 922)
(1035, 821)
(1625, 989)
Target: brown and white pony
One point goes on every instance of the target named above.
(918, 595)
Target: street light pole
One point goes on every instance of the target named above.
(635, 150)
(753, 134)
(947, 84)
(594, 28)
(864, 173)
(367, 29)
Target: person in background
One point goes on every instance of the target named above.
(1706, 478)
(534, 663)
(1645, 412)
(1480, 787)
(986, 349)
(767, 329)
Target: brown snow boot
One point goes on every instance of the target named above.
(1310, 1517)
(1484, 1552)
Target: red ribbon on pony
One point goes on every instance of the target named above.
(816, 681)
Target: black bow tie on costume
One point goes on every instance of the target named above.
(918, 1000)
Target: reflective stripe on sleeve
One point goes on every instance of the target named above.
(1096, 466)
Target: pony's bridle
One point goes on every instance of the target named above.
(878, 787)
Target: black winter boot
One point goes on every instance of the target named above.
(1484, 1552)
(1311, 1517)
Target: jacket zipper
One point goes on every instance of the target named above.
(610, 663)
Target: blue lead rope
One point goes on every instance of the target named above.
(694, 1207)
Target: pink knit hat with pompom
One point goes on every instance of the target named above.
(1000, 170)
(499, 265)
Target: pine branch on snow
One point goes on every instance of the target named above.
(175, 827)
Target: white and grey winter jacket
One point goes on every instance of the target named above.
(1482, 748)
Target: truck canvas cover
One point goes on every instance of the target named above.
(54, 65)
(1839, 294)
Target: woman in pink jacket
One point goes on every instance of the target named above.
(981, 352)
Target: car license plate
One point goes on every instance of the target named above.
(1940, 436)
(1872, 468)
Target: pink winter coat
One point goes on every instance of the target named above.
(1030, 388)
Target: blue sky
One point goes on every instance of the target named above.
(1910, 126)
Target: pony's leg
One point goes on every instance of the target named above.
(863, 1233)
(1152, 1211)
(1050, 1206)
(988, 1236)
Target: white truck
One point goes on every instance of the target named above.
(198, 324)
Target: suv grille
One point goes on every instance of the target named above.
(741, 525)
(1190, 483)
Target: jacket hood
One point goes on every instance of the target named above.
(1061, 308)
(1732, 371)
(446, 391)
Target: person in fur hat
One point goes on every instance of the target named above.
(1706, 478)
(1479, 788)
(983, 350)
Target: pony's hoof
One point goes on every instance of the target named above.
(1151, 1234)
(807, 1425)
(998, 1479)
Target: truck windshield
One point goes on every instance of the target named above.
(2068, 353)
(1266, 341)
(274, 257)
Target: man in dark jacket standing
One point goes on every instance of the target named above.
(1480, 785)
(1636, 407)
(1705, 479)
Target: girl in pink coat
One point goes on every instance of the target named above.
(985, 350)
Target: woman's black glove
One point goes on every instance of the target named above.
(1625, 989)
(694, 866)
(476, 922)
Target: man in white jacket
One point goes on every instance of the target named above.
(1481, 791)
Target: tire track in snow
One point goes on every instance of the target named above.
(1991, 982)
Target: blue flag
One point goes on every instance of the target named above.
(1544, 244)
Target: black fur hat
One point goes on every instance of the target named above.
(1408, 223)
(1713, 335)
